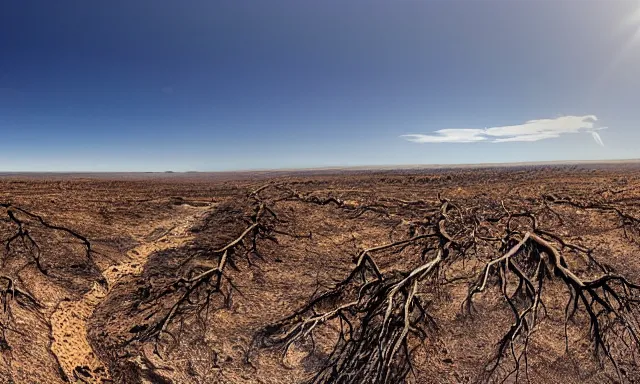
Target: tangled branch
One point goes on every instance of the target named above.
(378, 315)
(381, 316)
(193, 293)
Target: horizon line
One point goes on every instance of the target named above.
(353, 167)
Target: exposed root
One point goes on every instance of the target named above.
(25, 224)
(29, 240)
(629, 223)
(382, 316)
(611, 302)
(192, 294)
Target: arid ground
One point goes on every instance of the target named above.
(465, 275)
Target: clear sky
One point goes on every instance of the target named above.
(205, 85)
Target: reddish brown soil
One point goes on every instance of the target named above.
(92, 319)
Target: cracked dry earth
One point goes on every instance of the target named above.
(69, 320)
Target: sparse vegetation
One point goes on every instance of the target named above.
(500, 275)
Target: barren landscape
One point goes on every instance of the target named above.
(512, 274)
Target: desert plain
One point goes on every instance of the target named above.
(509, 274)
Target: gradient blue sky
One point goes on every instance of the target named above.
(206, 85)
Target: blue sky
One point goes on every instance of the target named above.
(206, 85)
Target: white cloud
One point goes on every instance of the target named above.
(449, 136)
(532, 137)
(532, 130)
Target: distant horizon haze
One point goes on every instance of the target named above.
(373, 167)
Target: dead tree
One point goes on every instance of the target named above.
(383, 315)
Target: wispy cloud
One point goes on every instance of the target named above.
(532, 130)
(597, 138)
